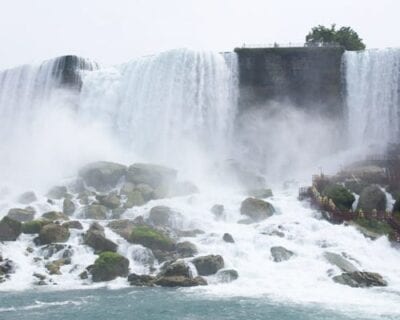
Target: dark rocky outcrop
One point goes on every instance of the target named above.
(228, 238)
(143, 280)
(280, 254)
(108, 266)
(9, 229)
(372, 197)
(208, 265)
(74, 224)
(256, 209)
(96, 239)
(180, 281)
(102, 175)
(360, 279)
(21, 215)
(51, 233)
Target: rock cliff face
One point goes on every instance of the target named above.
(305, 77)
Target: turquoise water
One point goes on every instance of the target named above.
(151, 304)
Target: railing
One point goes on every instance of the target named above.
(291, 45)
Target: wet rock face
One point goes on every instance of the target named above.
(152, 175)
(102, 175)
(21, 215)
(141, 280)
(10, 229)
(372, 197)
(110, 201)
(108, 266)
(227, 275)
(73, 225)
(280, 254)
(54, 215)
(360, 279)
(256, 209)
(208, 265)
(95, 212)
(342, 263)
(186, 249)
(96, 239)
(180, 281)
(52, 233)
(228, 238)
(161, 216)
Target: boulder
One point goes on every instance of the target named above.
(134, 199)
(102, 175)
(97, 240)
(143, 280)
(108, 266)
(150, 174)
(55, 266)
(208, 265)
(161, 216)
(186, 249)
(146, 191)
(75, 224)
(10, 229)
(151, 238)
(68, 207)
(95, 212)
(51, 233)
(123, 227)
(218, 210)
(180, 281)
(57, 192)
(340, 262)
(34, 226)
(111, 200)
(341, 197)
(227, 275)
(256, 209)
(280, 254)
(360, 279)
(228, 238)
(176, 268)
(54, 216)
(372, 197)
(27, 197)
(260, 193)
(21, 215)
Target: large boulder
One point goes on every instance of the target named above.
(54, 216)
(122, 227)
(134, 199)
(372, 197)
(176, 268)
(341, 197)
(95, 212)
(256, 209)
(150, 174)
(208, 265)
(180, 281)
(34, 226)
(102, 175)
(142, 280)
(360, 279)
(52, 233)
(280, 254)
(27, 197)
(108, 266)
(96, 239)
(340, 262)
(111, 200)
(69, 207)
(161, 216)
(21, 215)
(57, 192)
(151, 238)
(9, 229)
(74, 224)
(186, 249)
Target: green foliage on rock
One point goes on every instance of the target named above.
(110, 265)
(376, 226)
(151, 238)
(34, 226)
(341, 197)
(345, 36)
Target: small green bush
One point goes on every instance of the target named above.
(341, 197)
(151, 238)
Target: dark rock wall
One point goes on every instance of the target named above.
(308, 78)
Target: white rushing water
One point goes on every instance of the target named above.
(179, 108)
(372, 91)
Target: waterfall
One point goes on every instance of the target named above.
(372, 94)
(170, 105)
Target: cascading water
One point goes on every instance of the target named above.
(179, 108)
(372, 92)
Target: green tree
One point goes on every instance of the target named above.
(345, 36)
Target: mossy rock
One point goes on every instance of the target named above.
(108, 266)
(376, 226)
(341, 197)
(34, 226)
(151, 238)
(371, 198)
(54, 215)
(9, 229)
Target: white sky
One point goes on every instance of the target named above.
(115, 31)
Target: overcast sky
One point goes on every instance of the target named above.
(115, 31)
